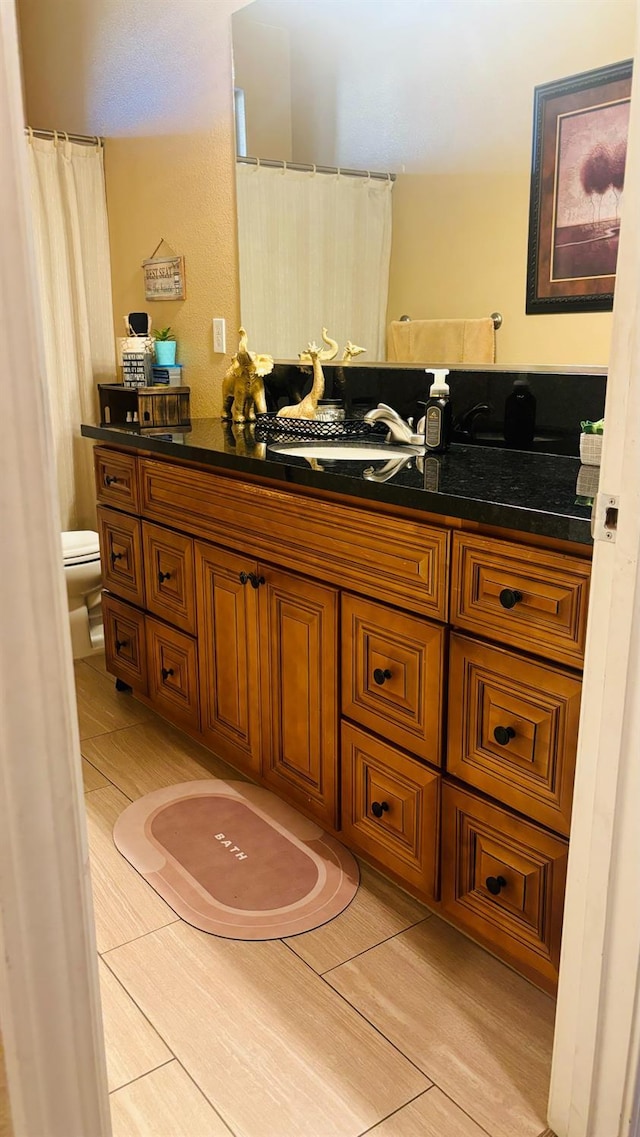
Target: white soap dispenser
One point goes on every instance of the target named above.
(437, 419)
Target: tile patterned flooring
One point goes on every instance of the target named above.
(385, 1021)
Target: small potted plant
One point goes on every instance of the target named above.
(165, 343)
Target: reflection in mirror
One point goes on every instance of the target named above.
(439, 95)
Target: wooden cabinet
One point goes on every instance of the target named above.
(519, 595)
(260, 619)
(169, 576)
(121, 555)
(299, 683)
(390, 809)
(229, 659)
(503, 881)
(392, 675)
(513, 729)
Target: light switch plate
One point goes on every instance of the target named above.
(220, 336)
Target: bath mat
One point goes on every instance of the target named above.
(232, 859)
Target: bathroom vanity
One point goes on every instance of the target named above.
(401, 660)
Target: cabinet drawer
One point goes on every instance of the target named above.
(392, 668)
(520, 595)
(121, 555)
(513, 729)
(503, 881)
(117, 479)
(387, 557)
(390, 807)
(173, 674)
(169, 576)
(124, 643)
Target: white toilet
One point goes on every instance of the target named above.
(81, 552)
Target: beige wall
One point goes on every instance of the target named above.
(262, 68)
(155, 79)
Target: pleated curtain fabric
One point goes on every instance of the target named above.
(71, 241)
(314, 251)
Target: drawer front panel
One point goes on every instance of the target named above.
(173, 674)
(503, 881)
(513, 729)
(169, 576)
(124, 643)
(526, 597)
(390, 809)
(402, 562)
(117, 479)
(392, 672)
(121, 555)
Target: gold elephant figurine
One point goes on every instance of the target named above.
(243, 394)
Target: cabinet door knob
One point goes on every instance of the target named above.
(120, 644)
(244, 577)
(109, 479)
(163, 576)
(495, 884)
(251, 578)
(379, 675)
(509, 597)
(116, 557)
(166, 672)
(504, 734)
(379, 807)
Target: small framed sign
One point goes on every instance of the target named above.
(164, 278)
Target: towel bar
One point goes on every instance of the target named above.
(495, 316)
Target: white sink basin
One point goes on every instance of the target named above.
(343, 451)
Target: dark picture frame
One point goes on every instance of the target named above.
(580, 127)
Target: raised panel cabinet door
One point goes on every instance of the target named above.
(513, 729)
(521, 596)
(116, 479)
(503, 882)
(390, 809)
(228, 651)
(392, 675)
(121, 554)
(125, 645)
(172, 667)
(299, 678)
(169, 576)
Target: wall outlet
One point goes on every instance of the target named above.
(220, 336)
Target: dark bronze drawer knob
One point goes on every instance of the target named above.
(120, 644)
(495, 884)
(379, 675)
(163, 576)
(116, 557)
(509, 597)
(379, 807)
(110, 479)
(166, 672)
(504, 734)
(251, 578)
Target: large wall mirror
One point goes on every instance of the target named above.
(438, 93)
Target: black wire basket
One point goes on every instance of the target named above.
(270, 428)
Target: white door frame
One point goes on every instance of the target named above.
(49, 996)
(597, 1040)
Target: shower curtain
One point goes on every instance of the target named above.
(314, 250)
(69, 215)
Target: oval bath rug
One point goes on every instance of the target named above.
(232, 859)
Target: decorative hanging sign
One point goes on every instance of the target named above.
(164, 277)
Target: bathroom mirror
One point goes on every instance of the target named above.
(439, 93)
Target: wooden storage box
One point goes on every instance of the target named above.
(145, 406)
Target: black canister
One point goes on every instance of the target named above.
(520, 415)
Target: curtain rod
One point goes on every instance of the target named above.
(278, 163)
(83, 139)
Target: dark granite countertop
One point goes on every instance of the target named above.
(526, 492)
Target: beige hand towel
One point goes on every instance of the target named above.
(442, 341)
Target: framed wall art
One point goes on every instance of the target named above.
(580, 128)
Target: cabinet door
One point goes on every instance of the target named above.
(299, 678)
(121, 555)
(228, 650)
(124, 642)
(172, 660)
(168, 573)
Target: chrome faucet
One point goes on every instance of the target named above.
(399, 430)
